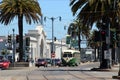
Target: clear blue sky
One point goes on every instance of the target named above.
(55, 8)
(50, 8)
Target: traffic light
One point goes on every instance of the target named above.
(118, 38)
(17, 38)
(9, 39)
(27, 41)
(113, 36)
(55, 38)
(17, 49)
(103, 35)
(27, 49)
(97, 36)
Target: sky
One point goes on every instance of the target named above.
(56, 8)
(49, 8)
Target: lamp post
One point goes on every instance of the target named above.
(52, 48)
(13, 46)
(52, 19)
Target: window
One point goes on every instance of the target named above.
(69, 55)
(64, 55)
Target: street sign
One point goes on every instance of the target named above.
(53, 55)
(88, 52)
(1, 40)
(107, 54)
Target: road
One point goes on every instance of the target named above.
(82, 72)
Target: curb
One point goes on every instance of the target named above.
(109, 70)
(19, 68)
(16, 68)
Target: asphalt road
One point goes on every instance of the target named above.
(82, 72)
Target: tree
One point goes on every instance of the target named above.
(5, 52)
(20, 9)
(76, 29)
(95, 11)
(91, 11)
(94, 42)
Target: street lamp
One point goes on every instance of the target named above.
(52, 19)
(13, 46)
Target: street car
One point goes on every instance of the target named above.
(41, 62)
(4, 64)
(70, 57)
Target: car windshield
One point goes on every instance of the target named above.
(39, 60)
(48, 60)
(1, 60)
(56, 60)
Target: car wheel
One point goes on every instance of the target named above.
(45, 65)
(76, 64)
(38, 66)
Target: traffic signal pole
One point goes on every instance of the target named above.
(105, 46)
(108, 47)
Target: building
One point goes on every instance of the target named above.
(39, 47)
(36, 49)
(59, 46)
(37, 42)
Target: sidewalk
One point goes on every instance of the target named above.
(114, 68)
(98, 74)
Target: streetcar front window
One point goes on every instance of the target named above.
(69, 55)
(65, 55)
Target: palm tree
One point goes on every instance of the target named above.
(12, 9)
(77, 29)
(90, 11)
(4, 52)
(72, 31)
(94, 44)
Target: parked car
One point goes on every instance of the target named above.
(41, 62)
(56, 62)
(4, 64)
(49, 61)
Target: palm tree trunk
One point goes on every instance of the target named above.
(79, 38)
(20, 25)
(79, 41)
